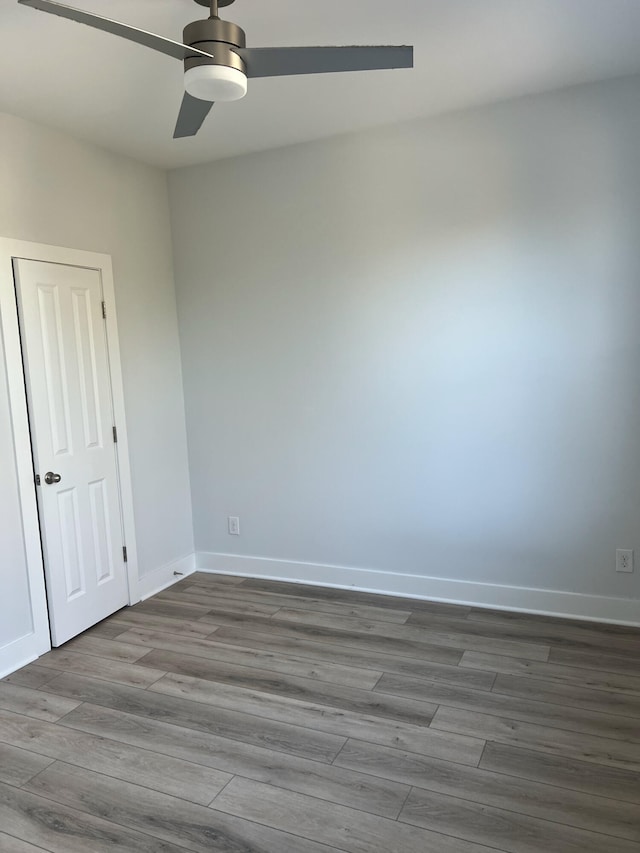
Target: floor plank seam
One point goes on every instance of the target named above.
(30, 843)
(35, 775)
(404, 802)
(149, 686)
(337, 755)
(229, 781)
(484, 749)
(493, 683)
(378, 679)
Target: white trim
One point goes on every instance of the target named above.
(9, 249)
(122, 447)
(548, 602)
(164, 577)
(39, 640)
(19, 653)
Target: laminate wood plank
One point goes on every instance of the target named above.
(347, 829)
(418, 633)
(622, 664)
(162, 817)
(539, 621)
(594, 679)
(505, 830)
(289, 664)
(235, 725)
(107, 630)
(157, 607)
(324, 781)
(359, 658)
(301, 602)
(208, 581)
(129, 618)
(129, 763)
(17, 765)
(562, 772)
(31, 675)
(559, 742)
(548, 803)
(102, 648)
(293, 687)
(9, 844)
(323, 718)
(57, 829)
(526, 710)
(108, 670)
(373, 599)
(204, 577)
(231, 605)
(34, 703)
(576, 637)
(368, 642)
(568, 694)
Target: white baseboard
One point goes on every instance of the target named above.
(21, 652)
(547, 602)
(165, 576)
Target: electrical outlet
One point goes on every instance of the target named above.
(624, 560)
(234, 525)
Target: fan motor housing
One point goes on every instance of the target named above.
(217, 38)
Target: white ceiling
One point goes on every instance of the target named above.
(468, 52)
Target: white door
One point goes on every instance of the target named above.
(72, 433)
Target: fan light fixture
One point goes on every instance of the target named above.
(217, 61)
(215, 83)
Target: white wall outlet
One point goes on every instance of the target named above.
(624, 560)
(234, 525)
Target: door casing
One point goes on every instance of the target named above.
(32, 646)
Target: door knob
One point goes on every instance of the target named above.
(50, 478)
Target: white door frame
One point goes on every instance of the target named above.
(10, 330)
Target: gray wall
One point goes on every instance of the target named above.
(418, 350)
(58, 191)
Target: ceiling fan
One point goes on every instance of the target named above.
(217, 62)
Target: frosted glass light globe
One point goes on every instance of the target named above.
(215, 83)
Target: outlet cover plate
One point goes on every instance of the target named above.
(624, 560)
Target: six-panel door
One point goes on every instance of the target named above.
(71, 418)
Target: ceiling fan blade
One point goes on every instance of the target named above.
(164, 45)
(283, 61)
(193, 112)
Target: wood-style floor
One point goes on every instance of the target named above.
(245, 716)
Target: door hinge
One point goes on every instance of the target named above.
(104, 310)
(124, 553)
(115, 435)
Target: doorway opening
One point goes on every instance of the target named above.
(61, 342)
